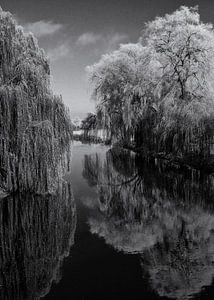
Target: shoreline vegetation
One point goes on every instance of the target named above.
(156, 97)
(35, 126)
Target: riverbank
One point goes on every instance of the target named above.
(190, 161)
(91, 137)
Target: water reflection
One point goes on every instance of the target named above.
(36, 233)
(166, 217)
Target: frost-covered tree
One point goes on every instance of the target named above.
(183, 48)
(116, 86)
(35, 128)
(159, 92)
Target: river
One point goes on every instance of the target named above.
(133, 230)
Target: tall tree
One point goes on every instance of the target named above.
(159, 91)
(35, 127)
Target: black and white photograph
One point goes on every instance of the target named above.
(106, 149)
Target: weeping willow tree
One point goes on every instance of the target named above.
(36, 235)
(158, 94)
(35, 128)
(166, 218)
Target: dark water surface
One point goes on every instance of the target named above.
(121, 228)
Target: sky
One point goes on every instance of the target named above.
(75, 34)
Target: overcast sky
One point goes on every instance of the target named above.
(75, 33)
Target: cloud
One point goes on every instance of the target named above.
(107, 42)
(88, 38)
(112, 41)
(59, 52)
(42, 28)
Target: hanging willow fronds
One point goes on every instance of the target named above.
(35, 128)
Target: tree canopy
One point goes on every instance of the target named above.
(90, 122)
(159, 91)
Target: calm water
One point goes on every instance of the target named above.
(122, 228)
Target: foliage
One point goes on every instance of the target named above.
(159, 93)
(33, 121)
(76, 123)
(90, 122)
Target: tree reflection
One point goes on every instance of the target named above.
(36, 233)
(165, 216)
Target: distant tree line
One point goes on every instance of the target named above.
(90, 122)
